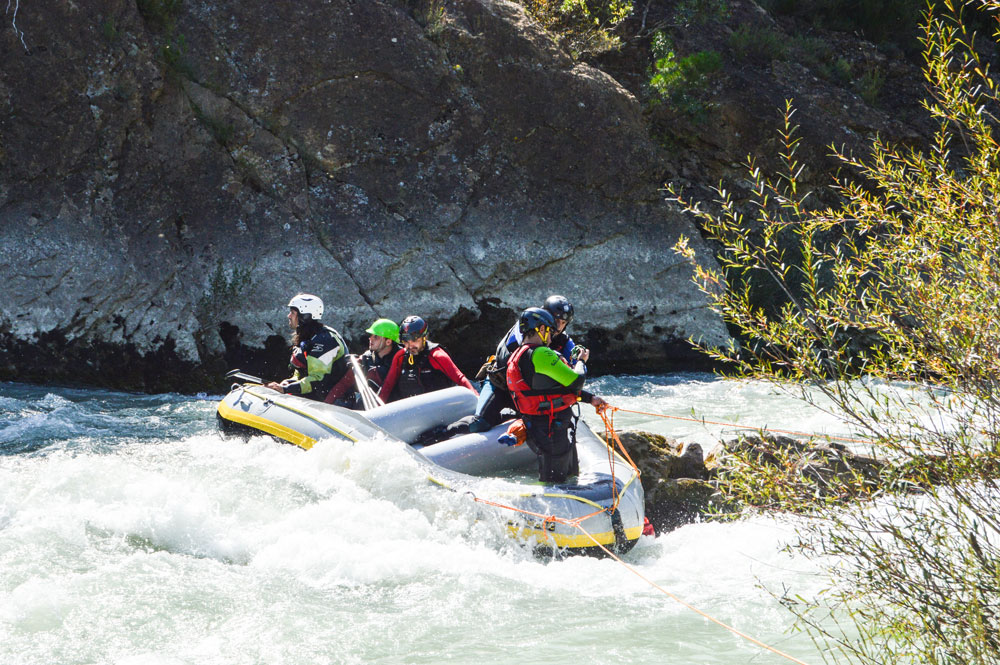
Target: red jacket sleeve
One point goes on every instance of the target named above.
(441, 360)
(392, 376)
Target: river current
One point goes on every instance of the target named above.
(132, 533)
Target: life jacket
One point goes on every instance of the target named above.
(375, 367)
(530, 401)
(418, 376)
(498, 365)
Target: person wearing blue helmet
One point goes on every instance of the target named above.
(544, 389)
(420, 366)
(493, 397)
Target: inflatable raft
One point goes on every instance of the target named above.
(603, 505)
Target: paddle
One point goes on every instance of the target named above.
(245, 378)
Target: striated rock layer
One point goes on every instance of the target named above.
(171, 173)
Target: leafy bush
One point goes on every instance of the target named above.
(680, 81)
(908, 261)
(757, 43)
(583, 27)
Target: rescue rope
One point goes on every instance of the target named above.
(611, 437)
(694, 609)
(736, 426)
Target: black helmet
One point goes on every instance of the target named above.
(534, 318)
(559, 307)
(412, 327)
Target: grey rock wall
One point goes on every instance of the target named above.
(168, 179)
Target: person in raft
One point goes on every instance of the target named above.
(544, 390)
(420, 366)
(493, 397)
(318, 362)
(383, 343)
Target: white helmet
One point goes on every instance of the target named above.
(309, 306)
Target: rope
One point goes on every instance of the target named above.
(735, 426)
(612, 436)
(694, 609)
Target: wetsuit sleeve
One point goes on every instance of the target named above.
(392, 376)
(442, 361)
(548, 363)
(340, 388)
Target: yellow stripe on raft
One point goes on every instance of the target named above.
(575, 540)
(266, 425)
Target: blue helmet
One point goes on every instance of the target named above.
(534, 318)
(412, 327)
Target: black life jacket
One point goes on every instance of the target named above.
(418, 376)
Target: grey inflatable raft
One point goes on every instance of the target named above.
(602, 506)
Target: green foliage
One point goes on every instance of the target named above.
(109, 30)
(901, 283)
(697, 12)
(583, 27)
(758, 43)
(680, 81)
(225, 290)
(173, 53)
(878, 20)
(870, 84)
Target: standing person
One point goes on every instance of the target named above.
(544, 389)
(318, 353)
(494, 398)
(420, 366)
(561, 310)
(383, 343)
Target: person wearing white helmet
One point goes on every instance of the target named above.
(319, 360)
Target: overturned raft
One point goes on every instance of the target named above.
(602, 507)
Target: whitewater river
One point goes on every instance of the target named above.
(132, 533)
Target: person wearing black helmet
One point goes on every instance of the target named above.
(420, 366)
(493, 397)
(561, 310)
(544, 389)
(318, 361)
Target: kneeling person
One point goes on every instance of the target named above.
(544, 388)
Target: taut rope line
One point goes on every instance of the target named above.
(736, 426)
(694, 609)
(611, 437)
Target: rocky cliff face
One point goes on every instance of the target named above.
(172, 172)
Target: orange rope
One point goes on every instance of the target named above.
(688, 605)
(734, 425)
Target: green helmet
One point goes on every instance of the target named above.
(384, 328)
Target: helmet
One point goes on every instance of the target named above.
(309, 306)
(384, 328)
(559, 307)
(412, 327)
(534, 318)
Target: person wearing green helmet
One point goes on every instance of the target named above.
(383, 342)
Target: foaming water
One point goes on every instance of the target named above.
(131, 533)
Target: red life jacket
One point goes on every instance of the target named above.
(535, 402)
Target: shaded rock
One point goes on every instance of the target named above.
(671, 503)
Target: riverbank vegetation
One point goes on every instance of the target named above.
(888, 306)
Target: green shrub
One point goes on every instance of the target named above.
(583, 27)
(756, 43)
(681, 81)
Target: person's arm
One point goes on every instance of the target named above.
(392, 376)
(441, 360)
(548, 363)
(340, 388)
